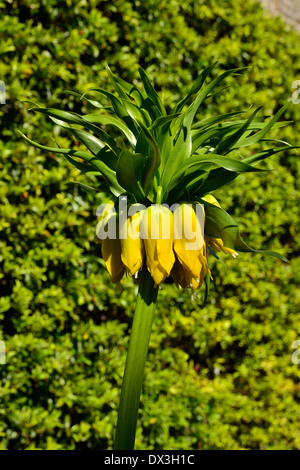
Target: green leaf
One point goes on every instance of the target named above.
(213, 120)
(111, 121)
(71, 155)
(81, 96)
(152, 161)
(228, 143)
(130, 173)
(228, 163)
(161, 121)
(183, 147)
(188, 183)
(180, 152)
(84, 186)
(259, 135)
(72, 118)
(192, 109)
(220, 177)
(152, 94)
(197, 85)
(119, 108)
(130, 90)
(116, 85)
(137, 114)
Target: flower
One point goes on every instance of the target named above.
(189, 246)
(157, 231)
(132, 246)
(111, 252)
(106, 211)
(163, 157)
(183, 277)
(188, 238)
(217, 244)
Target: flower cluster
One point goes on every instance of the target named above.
(171, 241)
(159, 157)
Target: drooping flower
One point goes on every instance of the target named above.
(163, 157)
(160, 157)
(103, 213)
(189, 238)
(183, 276)
(132, 246)
(157, 231)
(111, 252)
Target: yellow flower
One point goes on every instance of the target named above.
(183, 277)
(217, 244)
(132, 246)
(190, 247)
(188, 238)
(111, 253)
(157, 232)
(104, 214)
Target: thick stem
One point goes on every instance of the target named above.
(135, 362)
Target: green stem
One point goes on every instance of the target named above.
(135, 362)
(158, 195)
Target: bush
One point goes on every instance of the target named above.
(216, 378)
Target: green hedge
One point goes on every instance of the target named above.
(217, 378)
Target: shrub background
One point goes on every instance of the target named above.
(217, 378)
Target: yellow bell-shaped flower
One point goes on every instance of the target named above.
(183, 277)
(104, 212)
(157, 231)
(111, 253)
(132, 246)
(189, 239)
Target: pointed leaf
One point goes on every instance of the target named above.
(197, 85)
(111, 121)
(71, 155)
(130, 173)
(220, 177)
(259, 135)
(152, 94)
(228, 143)
(72, 118)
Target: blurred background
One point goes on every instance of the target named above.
(289, 9)
(219, 377)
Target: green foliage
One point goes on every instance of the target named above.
(219, 377)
